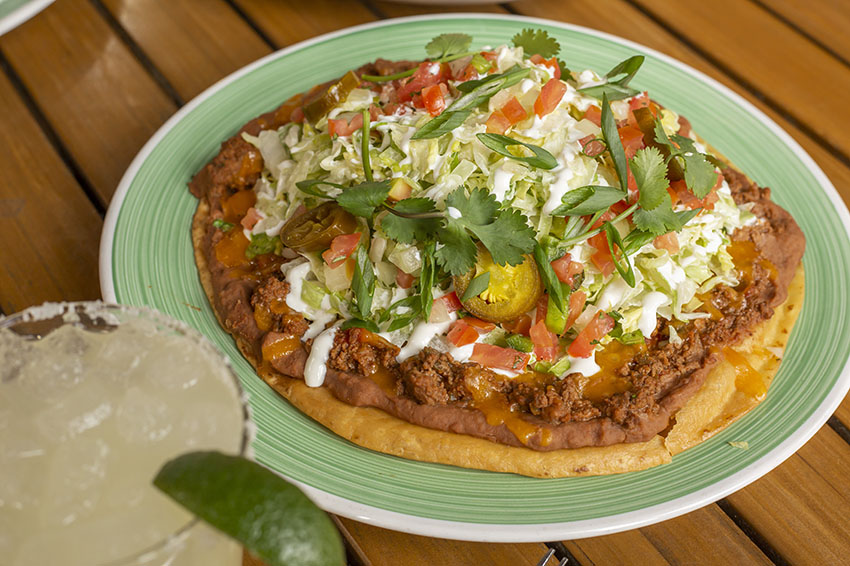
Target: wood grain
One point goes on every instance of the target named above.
(789, 70)
(802, 506)
(102, 103)
(827, 24)
(48, 228)
(382, 547)
(681, 540)
(397, 10)
(288, 22)
(211, 38)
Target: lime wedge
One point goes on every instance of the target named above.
(248, 502)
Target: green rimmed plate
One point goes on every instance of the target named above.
(15, 12)
(147, 259)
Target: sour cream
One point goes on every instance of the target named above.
(584, 366)
(316, 368)
(422, 335)
(649, 315)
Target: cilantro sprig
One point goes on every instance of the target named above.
(444, 48)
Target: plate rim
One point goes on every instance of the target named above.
(534, 532)
(21, 14)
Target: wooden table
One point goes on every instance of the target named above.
(85, 83)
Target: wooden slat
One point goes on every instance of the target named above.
(802, 506)
(397, 10)
(97, 96)
(48, 228)
(286, 23)
(381, 547)
(843, 412)
(681, 540)
(827, 22)
(211, 38)
(789, 70)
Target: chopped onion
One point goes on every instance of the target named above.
(439, 312)
(337, 279)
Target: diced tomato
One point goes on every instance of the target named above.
(668, 241)
(462, 334)
(602, 259)
(424, 76)
(341, 248)
(679, 193)
(251, 218)
(496, 357)
(434, 98)
(514, 111)
(549, 97)
(577, 301)
(542, 308)
(451, 301)
(497, 123)
(632, 139)
(468, 73)
(522, 325)
(582, 346)
(404, 280)
(545, 341)
(606, 216)
(592, 145)
(479, 324)
(489, 55)
(565, 268)
(594, 114)
(552, 63)
(343, 127)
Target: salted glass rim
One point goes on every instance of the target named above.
(62, 313)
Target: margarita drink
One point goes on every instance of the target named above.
(87, 417)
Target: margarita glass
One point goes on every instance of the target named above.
(94, 399)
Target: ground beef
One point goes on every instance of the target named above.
(555, 401)
(359, 351)
(267, 298)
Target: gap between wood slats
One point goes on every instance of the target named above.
(744, 83)
(139, 53)
(252, 24)
(757, 539)
(782, 18)
(52, 136)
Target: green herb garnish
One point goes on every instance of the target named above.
(477, 286)
(500, 144)
(222, 225)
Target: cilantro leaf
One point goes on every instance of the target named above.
(659, 220)
(650, 173)
(409, 229)
(700, 176)
(457, 256)
(507, 238)
(363, 282)
(448, 44)
(500, 144)
(588, 200)
(477, 208)
(363, 199)
(537, 41)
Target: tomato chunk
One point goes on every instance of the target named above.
(594, 114)
(679, 193)
(426, 74)
(577, 301)
(479, 324)
(497, 123)
(341, 248)
(602, 259)
(434, 98)
(632, 139)
(343, 127)
(462, 334)
(502, 358)
(668, 241)
(451, 301)
(522, 325)
(582, 346)
(251, 218)
(565, 268)
(514, 111)
(545, 341)
(549, 97)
